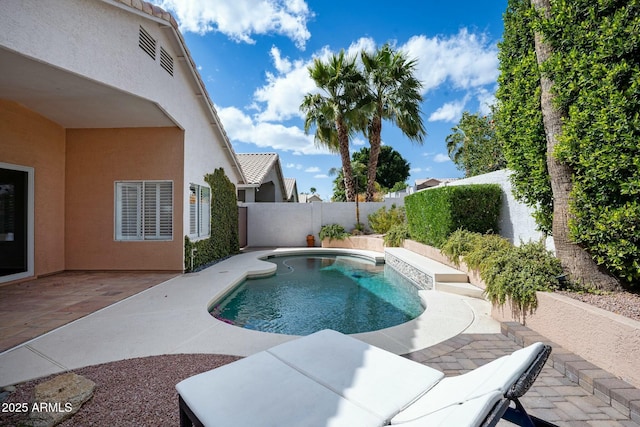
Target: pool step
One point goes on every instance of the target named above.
(460, 288)
(423, 271)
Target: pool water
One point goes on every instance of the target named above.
(311, 293)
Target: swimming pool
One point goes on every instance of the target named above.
(309, 293)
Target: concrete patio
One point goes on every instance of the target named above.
(455, 334)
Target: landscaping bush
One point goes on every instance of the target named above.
(333, 231)
(511, 273)
(516, 275)
(396, 235)
(434, 214)
(383, 220)
(459, 244)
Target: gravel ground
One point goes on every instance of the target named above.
(142, 392)
(624, 303)
(133, 392)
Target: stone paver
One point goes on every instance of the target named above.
(554, 397)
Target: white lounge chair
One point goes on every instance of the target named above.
(330, 379)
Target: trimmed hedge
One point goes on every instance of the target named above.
(224, 239)
(434, 214)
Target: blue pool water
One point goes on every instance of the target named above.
(314, 292)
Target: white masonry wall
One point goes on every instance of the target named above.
(288, 224)
(516, 219)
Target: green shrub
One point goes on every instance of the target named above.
(486, 248)
(333, 231)
(515, 275)
(511, 274)
(459, 244)
(382, 220)
(434, 214)
(396, 235)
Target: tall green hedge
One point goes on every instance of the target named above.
(434, 214)
(596, 69)
(595, 66)
(224, 225)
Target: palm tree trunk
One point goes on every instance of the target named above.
(343, 146)
(576, 261)
(374, 152)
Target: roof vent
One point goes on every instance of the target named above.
(147, 43)
(166, 61)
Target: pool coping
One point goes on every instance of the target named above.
(172, 318)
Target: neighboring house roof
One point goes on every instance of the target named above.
(308, 198)
(292, 190)
(256, 167)
(432, 182)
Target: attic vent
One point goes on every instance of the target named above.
(147, 43)
(166, 61)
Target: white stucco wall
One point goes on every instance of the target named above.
(516, 220)
(288, 224)
(99, 41)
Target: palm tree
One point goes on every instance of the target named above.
(334, 109)
(394, 95)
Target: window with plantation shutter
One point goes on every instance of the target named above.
(199, 211)
(144, 210)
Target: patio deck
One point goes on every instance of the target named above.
(569, 392)
(31, 308)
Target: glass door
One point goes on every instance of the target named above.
(14, 220)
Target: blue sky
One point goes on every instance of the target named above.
(253, 57)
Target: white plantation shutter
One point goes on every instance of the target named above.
(144, 210)
(193, 210)
(128, 210)
(165, 200)
(205, 211)
(199, 211)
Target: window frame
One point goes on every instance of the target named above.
(199, 211)
(151, 213)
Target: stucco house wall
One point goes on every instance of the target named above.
(28, 139)
(96, 159)
(162, 122)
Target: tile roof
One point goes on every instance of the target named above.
(290, 185)
(256, 166)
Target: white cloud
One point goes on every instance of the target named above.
(449, 112)
(282, 95)
(441, 158)
(312, 169)
(485, 100)
(321, 176)
(465, 59)
(242, 128)
(357, 141)
(415, 170)
(241, 19)
(297, 166)
(283, 65)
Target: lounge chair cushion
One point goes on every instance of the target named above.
(470, 413)
(261, 391)
(496, 376)
(356, 370)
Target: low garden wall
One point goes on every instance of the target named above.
(606, 339)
